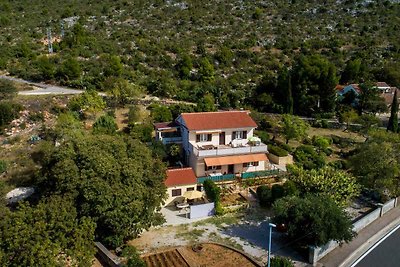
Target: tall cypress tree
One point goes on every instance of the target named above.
(289, 96)
(393, 120)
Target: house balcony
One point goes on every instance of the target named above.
(226, 150)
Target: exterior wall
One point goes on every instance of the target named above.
(215, 135)
(170, 200)
(280, 160)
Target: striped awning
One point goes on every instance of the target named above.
(218, 161)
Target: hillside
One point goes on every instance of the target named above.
(189, 49)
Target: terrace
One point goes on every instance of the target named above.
(225, 150)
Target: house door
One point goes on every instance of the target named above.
(222, 138)
(231, 168)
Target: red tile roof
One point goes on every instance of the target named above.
(165, 125)
(182, 176)
(218, 120)
(382, 84)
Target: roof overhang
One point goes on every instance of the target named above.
(218, 161)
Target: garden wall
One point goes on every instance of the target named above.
(202, 210)
(280, 160)
(316, 253)
(108, 258)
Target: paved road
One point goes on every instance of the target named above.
(43, 89)
(385, 254)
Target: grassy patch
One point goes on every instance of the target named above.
(220, 220)
(214, 237)
(192, 235)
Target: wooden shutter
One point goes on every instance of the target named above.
(209, 136)
(233, 135)
(197, 138)
(244, 134)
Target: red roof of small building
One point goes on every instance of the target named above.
(382, 84)
(165, 125)
(182, 176)
(218, 120)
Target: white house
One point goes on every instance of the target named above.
(221, 143)
(179, 181)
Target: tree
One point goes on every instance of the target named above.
(70, 69)
(370, 100)
(377, 166)
(393, 123)
(89, 101)
(306, 219)
(351, 72)
(115, 181)
(161, 114)
(7, 90)
(122, 91)
(105, 125)
(8, 112)
(48, 234)
(281, 262)
(206, 104)
(339, 185)
(264, 195)
(206, 70)
(348, 117)
(293, 127)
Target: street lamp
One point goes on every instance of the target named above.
(271, 225)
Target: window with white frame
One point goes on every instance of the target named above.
(212, 168)
(239, 135)
(251, 164)
(176, 192)
(203, 137)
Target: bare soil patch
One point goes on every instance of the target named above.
(210, 255)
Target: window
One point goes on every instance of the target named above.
(190, 189)
(239, 135)
(250, 164)
(176, 192)
(203, 137)
(211, 168)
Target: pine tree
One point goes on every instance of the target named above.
(393, 120)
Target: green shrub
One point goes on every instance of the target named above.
(277, 191)
(284, 146)
(308, 158)
(277, 151)
(3, 166)
(264, 136)
(264, 195)
(290, 189)
(281, 262)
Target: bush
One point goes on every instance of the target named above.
(264, 136)
(290, 189)
(281, 262)
(213, 192)
(306, 157)
(277, 191)
(278, 151)
(284, 146)
(3, 166)
(264, 195)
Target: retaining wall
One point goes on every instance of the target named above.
(108, 258)
(316, 253)
(280, 160)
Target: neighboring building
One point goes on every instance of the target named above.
(221, 143)
(384, 87)
(389, 94)
(168, 133)
(179, 181)
(343, 90)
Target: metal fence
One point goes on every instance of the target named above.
(218, 178)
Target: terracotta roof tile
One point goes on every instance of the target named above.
(165, 125)
(382, 84)
(180, 176)
(218, 120)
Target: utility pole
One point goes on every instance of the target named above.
(49, 40)
(271, 225)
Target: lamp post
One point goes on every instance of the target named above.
(271, 225)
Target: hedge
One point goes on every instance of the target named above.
(278, 151)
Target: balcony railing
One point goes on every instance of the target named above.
(228, 150)
(219, 178)
(258, 174)
(171, 140)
